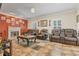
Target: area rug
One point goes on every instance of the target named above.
(44, 48)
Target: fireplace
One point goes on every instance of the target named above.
(13, 32)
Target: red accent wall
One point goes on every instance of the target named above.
(6, 21)
(4, 30)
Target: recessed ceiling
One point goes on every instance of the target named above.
(24, 9)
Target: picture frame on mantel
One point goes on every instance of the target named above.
(43, 23)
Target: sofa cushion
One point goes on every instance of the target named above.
(69, 35)
(56, 32)
(56, 37)
(71, 38)
(69, 32)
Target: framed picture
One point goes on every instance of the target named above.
(3, 18)
(8, 20)
(43, 23)
(12, 19)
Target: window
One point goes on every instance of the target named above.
(57, 24)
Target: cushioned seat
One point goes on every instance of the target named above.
(56, 37)
(70, 38)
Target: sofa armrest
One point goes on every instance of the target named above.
(50, 36)
(77, 40)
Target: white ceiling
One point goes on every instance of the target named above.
(23, 9)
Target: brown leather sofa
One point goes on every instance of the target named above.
(66, 36)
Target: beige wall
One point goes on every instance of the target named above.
(68, 19)
(77, 22)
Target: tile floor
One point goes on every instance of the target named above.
(44, 48)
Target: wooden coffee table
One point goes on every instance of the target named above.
(28, 38)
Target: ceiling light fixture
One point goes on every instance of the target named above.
(32, 10)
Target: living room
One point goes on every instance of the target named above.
(39, 29)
